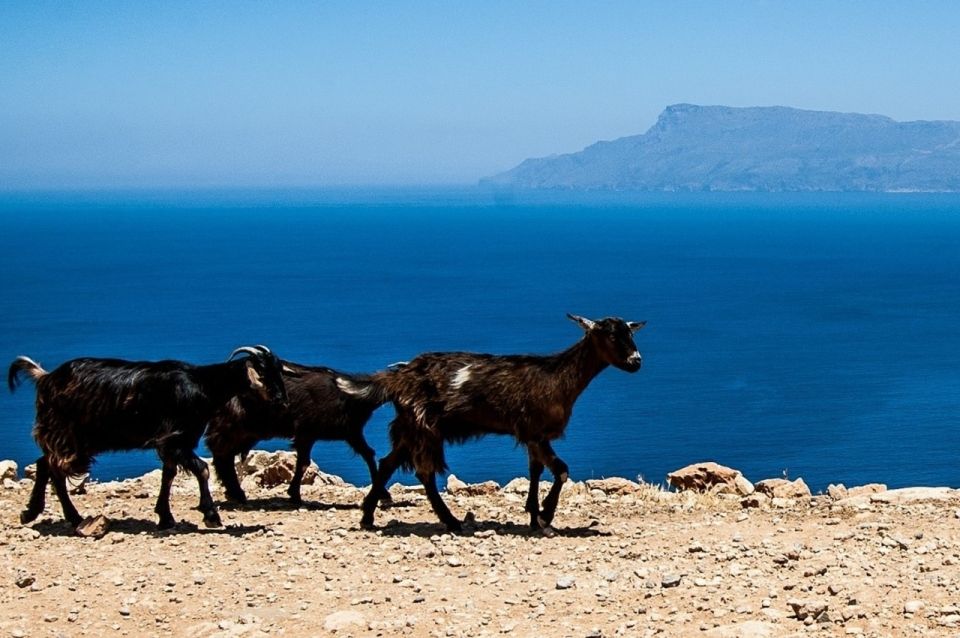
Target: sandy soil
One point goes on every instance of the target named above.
(627, 560)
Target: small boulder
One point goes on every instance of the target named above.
(8, 470)
(710, 476)
(613, 485)
(455, 485)
(866, 490)
(837, 492)
(782, 488)
(517, 486)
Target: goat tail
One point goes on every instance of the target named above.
(367, 388)
(23, 365)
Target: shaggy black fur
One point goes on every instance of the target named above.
(88, 406)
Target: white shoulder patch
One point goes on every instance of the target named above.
(462, 376)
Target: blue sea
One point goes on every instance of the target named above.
(813, 336)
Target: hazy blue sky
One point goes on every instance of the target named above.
(203, 93)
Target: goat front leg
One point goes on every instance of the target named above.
(359, 445)
(199, 468)
(388, 465)
(560, 473)
(38, 496)
(303, 461)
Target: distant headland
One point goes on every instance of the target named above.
(767, 149)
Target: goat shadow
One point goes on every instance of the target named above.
(135, 526)
(426, 530)
(279, 503)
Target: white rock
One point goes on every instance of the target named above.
(914, 494)
(340, 620)
(566, 582)
(912, 606)
(8, 470)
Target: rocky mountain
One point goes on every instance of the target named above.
(720, 148)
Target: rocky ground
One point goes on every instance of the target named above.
(627, 560)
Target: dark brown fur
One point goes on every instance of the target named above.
(319, 411)
(454, 396)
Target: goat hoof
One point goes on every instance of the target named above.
(367, 523)
(28, 516)
(454, 527)
(212, 520)
(548, 532)
(386, 497)
(296, 500)
(239, 499)
(166, 523)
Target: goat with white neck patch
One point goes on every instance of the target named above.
(454, 396)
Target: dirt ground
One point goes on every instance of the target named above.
(627, 560)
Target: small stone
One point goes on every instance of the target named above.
(454, 561)
(23, 579)
(93, 527)
(566, 582)
(124, 611)
(670, 580)
(913, 606)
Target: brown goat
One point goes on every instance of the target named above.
(455, 396)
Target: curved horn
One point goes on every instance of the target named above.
(251, 351)
(263, 348)
(583, 322)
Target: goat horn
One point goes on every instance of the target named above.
(263, 348)
(251, 351)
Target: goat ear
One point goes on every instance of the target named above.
(290, 372)
(254, 377)
(636, 325)
(583, 322)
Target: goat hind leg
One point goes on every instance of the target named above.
(227, 473)
(38, 496)
(303, 461)
(59, 480)
(162, 508)
(429, 480)
(560, 472)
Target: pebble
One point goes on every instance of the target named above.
(670, 580)
(566, 582)
(912, 606)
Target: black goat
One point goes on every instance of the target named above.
(88, 406)
(455, 396)
(318, 411)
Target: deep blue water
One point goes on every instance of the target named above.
(817, 335)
